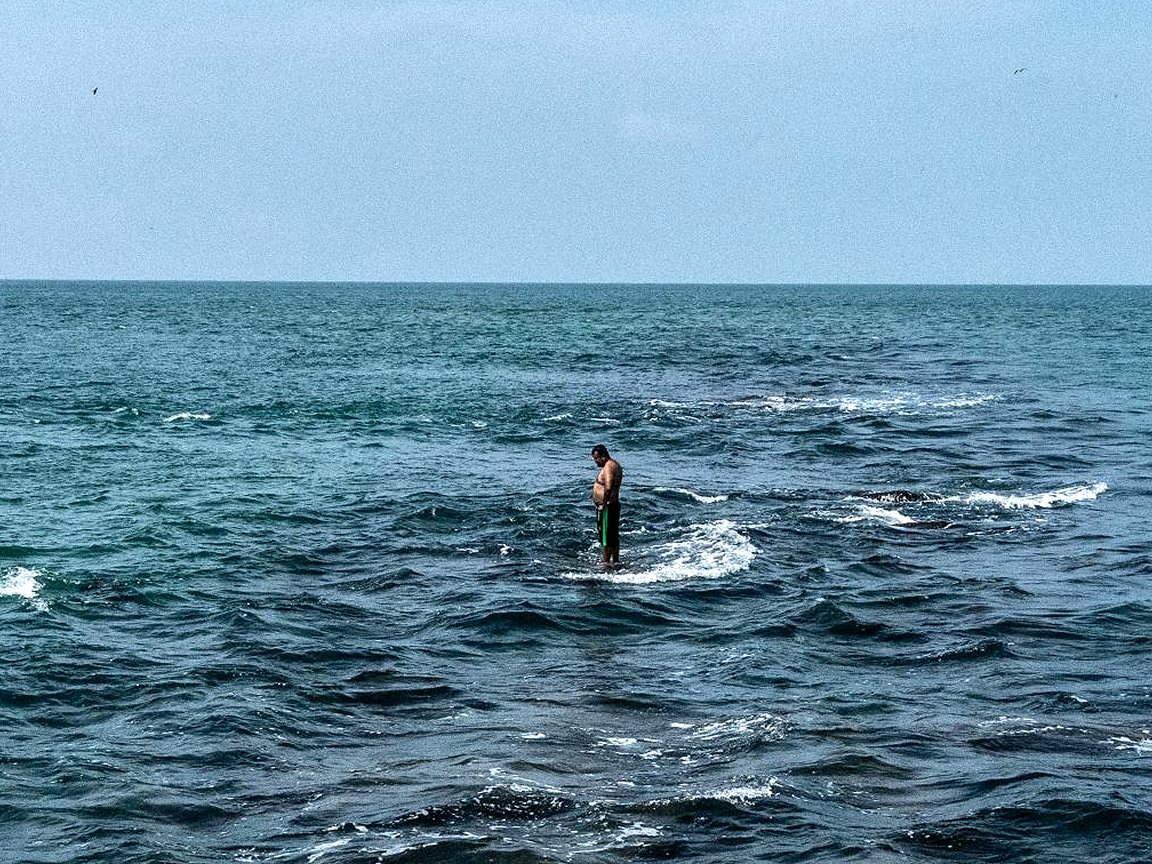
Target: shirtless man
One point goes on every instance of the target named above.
(606, 494)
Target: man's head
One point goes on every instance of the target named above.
(600, 455)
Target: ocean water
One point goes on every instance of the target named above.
(307, 573)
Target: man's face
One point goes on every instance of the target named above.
(599, 459)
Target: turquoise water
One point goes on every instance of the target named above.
(306, 573)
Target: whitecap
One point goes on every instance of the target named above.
(23, 582)
(771, 403)
(966, 401)
(891, 405)
(709, 551)
(187, 415)
(321, 849)
(752, 726)
(733, 795)
(637, 829)
(868, 513)
(618, 742)
(745, 794)
(1043, 500)
(695, 496)
(1142, 746)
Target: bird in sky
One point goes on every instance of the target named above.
(94, 89)
(1021, 69)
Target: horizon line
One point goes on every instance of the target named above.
(575, 283)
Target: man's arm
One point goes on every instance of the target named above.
(613, 474)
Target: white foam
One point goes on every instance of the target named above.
(891, 405)
(709, 551)
(743, 794)
(695, 496)
(755, 725)
(1142, 747)
(637, 829)
(187, 415)
(868, 513)
(23, 582)
(735, 794)
(321, 849)
(1007, 720)
(618, 742)
(966, 401)
(902, 403)
(1043, 500)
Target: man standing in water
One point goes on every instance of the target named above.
(606, 494)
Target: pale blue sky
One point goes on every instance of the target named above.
(818, 141)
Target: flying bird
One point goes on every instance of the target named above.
(94, 89)
(1021, 69)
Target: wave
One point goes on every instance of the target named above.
(1042, 500)
(23, 582)
(187, 415)
(709, 551)
(939, 511)
(512, 802)
(690, 804)
(751, 729)
(695, 496)
(868, 513)
(902, 403)
(1033, 831)
(1140, 746)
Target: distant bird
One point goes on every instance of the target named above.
(1021, 69)
(94, 89)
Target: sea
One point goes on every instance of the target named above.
(308, 573)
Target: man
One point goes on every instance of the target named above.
(606, 494)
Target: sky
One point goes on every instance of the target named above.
(761, 141)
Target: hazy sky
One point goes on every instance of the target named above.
(647, 140)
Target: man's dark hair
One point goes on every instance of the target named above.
(599, 450)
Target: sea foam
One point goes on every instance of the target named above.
(1043, 500)
(896, 403)
(709, 551)
(868, 513)
(23, 582)
(695, 496)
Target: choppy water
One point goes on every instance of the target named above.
(307, 574)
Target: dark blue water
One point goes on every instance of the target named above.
(296, 573)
